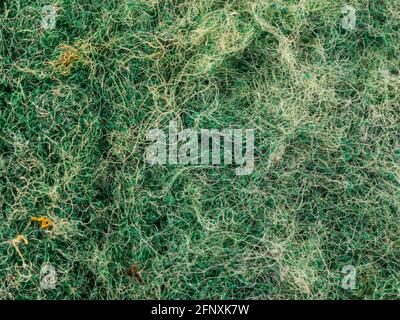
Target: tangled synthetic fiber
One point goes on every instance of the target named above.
(77, 101)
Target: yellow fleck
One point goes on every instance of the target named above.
(44, 222)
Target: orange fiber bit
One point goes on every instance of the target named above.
(44, 222)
